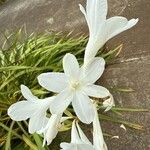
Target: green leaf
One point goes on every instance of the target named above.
(8, 140)
(120, 121)
(38, 141)
(29, 143)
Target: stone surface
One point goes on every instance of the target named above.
(134, 74)
(41, 15)
(131, 69)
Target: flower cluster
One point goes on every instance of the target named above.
(75, 86)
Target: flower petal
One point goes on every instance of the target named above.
(74, 134)
(82, 135)
(86, 17)
(116, 25)
(107, 30)
(83, 11)
(55, 82)
(96, 91)
(61, 102)
(27, 93)
(71, 66)
(98, 140)
(37, 122)
(66, 146)
(109, 103)
(85, 147)
(21, 110)
(92, 72)
(96, 13)
(52, 127)
(72, 146)
(86, 113)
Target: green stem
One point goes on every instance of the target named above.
(23, 130)
(8, 140)
(29, 143)
(117, 120)
(130, 109)
(7, 129)
(38, 142)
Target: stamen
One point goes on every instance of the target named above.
(75, 85)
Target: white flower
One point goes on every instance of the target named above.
(109, 103)
(79, 141)
(100, 28)
(32, 108)
(75, 85)
(123, 127)
(51, 128)
(98, 140)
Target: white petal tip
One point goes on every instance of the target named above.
(136, 21)
(23, 88)
(133, 22)
(31, 131)
(49, 142)
(10, 113)
(123, 127)
(9, 110)
(115, 137)
(83, 10)
(68, 55)
(39, 78)
(81, 7)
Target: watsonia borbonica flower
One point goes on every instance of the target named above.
(75, 86)
(35, 110)
(79, 141)
(32, 108)
(51, 129)
(100, 28)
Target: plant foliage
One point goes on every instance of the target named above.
(21, 61)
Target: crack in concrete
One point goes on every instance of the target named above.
(130, 60)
